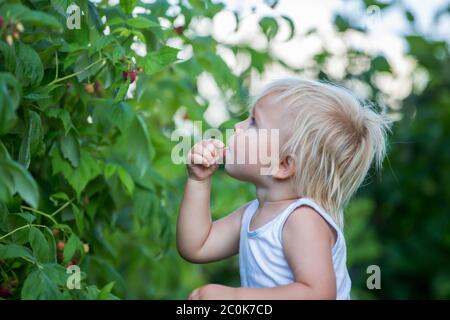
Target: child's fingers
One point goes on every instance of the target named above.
(217, 147)
(195, 158)
(204, 151)
(218, 144)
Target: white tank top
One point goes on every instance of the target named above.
(262, 262)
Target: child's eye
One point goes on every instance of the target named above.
(252, 121)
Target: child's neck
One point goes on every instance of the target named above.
(275, 194)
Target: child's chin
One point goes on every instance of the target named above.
(233, 170)
(238, 171)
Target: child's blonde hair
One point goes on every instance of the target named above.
(333, 138)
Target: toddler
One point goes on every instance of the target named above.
(290, 238)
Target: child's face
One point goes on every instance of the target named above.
(256, 141)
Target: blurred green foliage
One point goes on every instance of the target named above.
(84, 163)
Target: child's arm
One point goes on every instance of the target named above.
(307, 242)
(200, 240)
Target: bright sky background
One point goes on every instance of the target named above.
(384, 36)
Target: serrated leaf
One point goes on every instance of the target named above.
(70, 248)
(61, 6)
(135, 145)
(28, 217)
(70, 148)
(33, 17)
(105, 292)
(118, 53)
(121, 115)
(79, 219)
(10, 251)
(126, 179)
(21, 181)
(9, 56)
(29, 68)
(63, 115)
(158, 60)
(141, 23)
(78, 177)
(10, 92)
(41, 285)
(39, 245)
(127, 5)
(32, 139)
(122, 92)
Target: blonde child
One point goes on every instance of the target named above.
(290, 238)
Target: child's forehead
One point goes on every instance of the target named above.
(266, 103)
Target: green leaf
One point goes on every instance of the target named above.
(33, 17)
(4, 154)
(126, 179)
(21, 181)
(115, 21)
(123, 32)
(79, 219)
(10, 251)
(82, 63)
(28, 217)
(39, 245)
(10, 92)
(61, 6)
(71, 247)
(341, 23)
(122, 92)
(142, 205)
(32, 140)
(70, 148)
(141, 23)
(139, 35)
(156, 61)
(36, 96)
(291, 26)
(269, 26)
(78, 177)
(29, 68)
(118, 53)
(54, 198)
(380, 63)
(121, 115)
(104, 294)
(101, 42)
(127, 5)
(111, 169)
(63, 115)
(41, 285)
(135, 145)
(9, 56)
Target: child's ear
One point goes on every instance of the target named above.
(286, 168)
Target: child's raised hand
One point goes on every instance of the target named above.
(203, 158)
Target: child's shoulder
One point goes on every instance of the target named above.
(307, 223)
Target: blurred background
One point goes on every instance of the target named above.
(113, 181)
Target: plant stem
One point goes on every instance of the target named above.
(62, 207)
(41, 213)
(20, 228)
(57, 66)
(75, 74)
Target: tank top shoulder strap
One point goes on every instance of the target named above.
(248, 213)
(310, 203)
